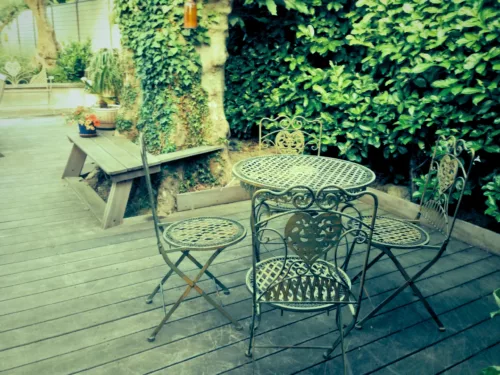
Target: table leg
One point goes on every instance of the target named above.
(75, 163)
(117, 203)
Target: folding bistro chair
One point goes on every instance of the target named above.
(445, 185)
(296, 277)
(186, 236)
(288, 136)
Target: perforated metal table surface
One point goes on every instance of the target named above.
(280, 172)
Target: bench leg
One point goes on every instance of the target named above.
(75, 163)
(117, 203)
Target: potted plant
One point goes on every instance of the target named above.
(86, 120)
(105, 78)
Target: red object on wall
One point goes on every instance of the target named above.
(190, 19)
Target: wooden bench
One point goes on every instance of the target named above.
(120, 159)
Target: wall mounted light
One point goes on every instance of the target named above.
(190, 19)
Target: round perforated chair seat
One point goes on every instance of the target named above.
(397, 233)
(304, 293)
(204, 233)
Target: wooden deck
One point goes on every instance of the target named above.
(72, 294)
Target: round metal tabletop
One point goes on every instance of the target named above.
(280, 172)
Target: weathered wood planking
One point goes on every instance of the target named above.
(88, 311)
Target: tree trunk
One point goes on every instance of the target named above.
(47, 45)
(213, 57)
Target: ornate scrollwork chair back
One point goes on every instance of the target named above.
(296, 274)
(444, 188)
(445, 184)
(289, 135)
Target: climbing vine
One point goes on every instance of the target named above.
(385, 76)
(168, 67)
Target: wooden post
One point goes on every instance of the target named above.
(75, 163)
(117, 203)
(34, 27)
(77, 19)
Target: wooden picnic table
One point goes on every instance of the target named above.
(120, 159)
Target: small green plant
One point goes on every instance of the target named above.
(72, 61)
(197, 172)
(492, 193)
(105, 75)
(492, 370)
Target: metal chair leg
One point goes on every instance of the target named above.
(345, 332)
(249, 352)
(225, 290)
(409, 281)
(416, 291)
(169, 314)
(368, 266)
(165, 278)
(340, 325)
(192, 284)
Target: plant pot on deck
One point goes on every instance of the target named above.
(107, 116)
(87, 132)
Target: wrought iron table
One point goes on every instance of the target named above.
(280, 172)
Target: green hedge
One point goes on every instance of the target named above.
(386, 76)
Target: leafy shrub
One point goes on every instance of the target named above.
(72, 61)
(492, 193)
(105, 75)
(386, 76)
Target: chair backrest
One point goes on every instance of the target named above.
(317, 224)
(445, 184)
(288, 136)
(152, 201)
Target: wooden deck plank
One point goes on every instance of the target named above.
(131, 326)
(285, 331)
(405, 317)
(128, 146)
(108, 163)
(49, 228)
(15, 214)
(126, 307)
(189, 152)
(48, 219)
(473, 365)
(239, 251)
(152, 355)
(436, 356)
(45, 198)
(130, 160)
(76, 241)
(387, 348)
(30, 193)
(76, 292)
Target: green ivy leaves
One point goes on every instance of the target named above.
(168, 66)
(382, 74)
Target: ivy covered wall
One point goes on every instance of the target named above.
(173, 110)
(386, 76)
